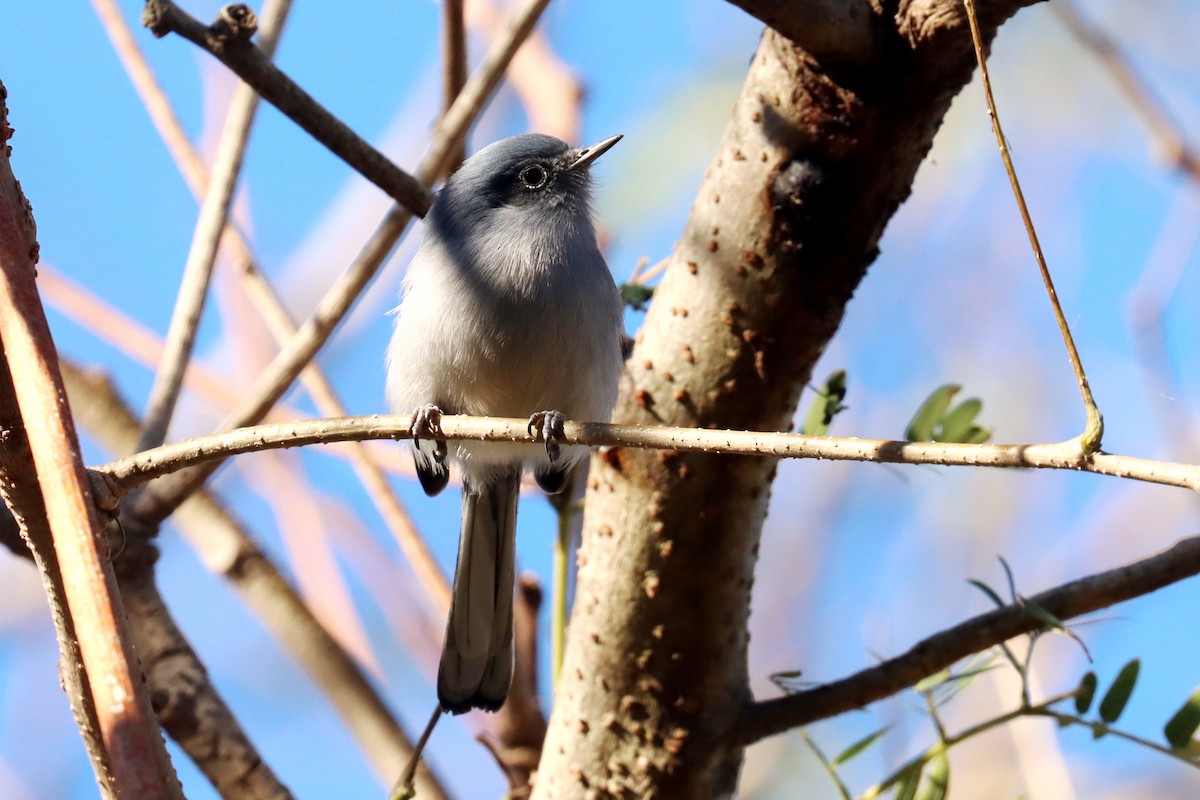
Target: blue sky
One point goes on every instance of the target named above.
(859, 561)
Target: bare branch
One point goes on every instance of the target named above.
(197, 272)
(454, 65)
(125, 474)
(1165, 134)
(365, 463)
(768, 717)
(1094, 431)
(138, 763)
(229, 551)
(33, 539)
(157, 503)
(233, 49)
(838, 31)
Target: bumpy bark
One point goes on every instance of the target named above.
(816, 158)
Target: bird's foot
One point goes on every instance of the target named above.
(427, 424)
(549, 427)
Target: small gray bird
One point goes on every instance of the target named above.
(509, 311)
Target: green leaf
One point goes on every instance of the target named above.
(958, 422)
(636, 295)
(937, 779)
(1042, 615)
(1118, 694)
(910, 781)
(920, 429)
(827, 405)
(860, 746)
(932, 681)
(1182, 727)
(989, 591)
(1012, 582)
(976, 435)
(1085, 693)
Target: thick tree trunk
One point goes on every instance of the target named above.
(814, 162)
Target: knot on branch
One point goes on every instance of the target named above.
(154, 17)
(235, 23)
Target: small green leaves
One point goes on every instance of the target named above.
(860, 746)
(1085, 693)
(910, 781)
(936, 421)
(989, 591)
(1180, 729)
(937, 779)
(1118, 694)
(636, 295)
(931, 682)
(827, 405)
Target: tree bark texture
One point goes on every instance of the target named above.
(815, 160)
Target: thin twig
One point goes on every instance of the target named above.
(210, 226)
(253, 67)
(1104, 589)
(275, 380)
(366, 464)
(1091, 437)
(1168, 139)
(127, 473)
(404, 784)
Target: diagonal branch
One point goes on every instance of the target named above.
(227, 39)
(159, 501)
(367, 465)
(230, 552)
(210, 226)
(768, 717)
(137, 761)
(840, 31)
(1165, 133)
(1094, 432)
(454, 64)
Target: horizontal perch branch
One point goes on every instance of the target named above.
(125, 474)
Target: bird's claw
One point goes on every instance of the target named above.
(549, 426)
(427, 424)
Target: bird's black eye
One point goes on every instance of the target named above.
(534, 176)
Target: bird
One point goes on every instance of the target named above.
(508, 309)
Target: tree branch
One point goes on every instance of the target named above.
(137, 760)
(266, 299)
(454, 65)
(1167, 138)
(33, 539)
(228, 40)
(125, 474)
(768, 717)
(206, 240)
(159, 501)
(230, 552)
(838, 31)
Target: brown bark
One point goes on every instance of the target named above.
(813, 164)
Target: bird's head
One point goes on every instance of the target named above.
(522, 175)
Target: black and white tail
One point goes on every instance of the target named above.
(477, 657)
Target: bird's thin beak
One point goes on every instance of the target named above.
(586, 155)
